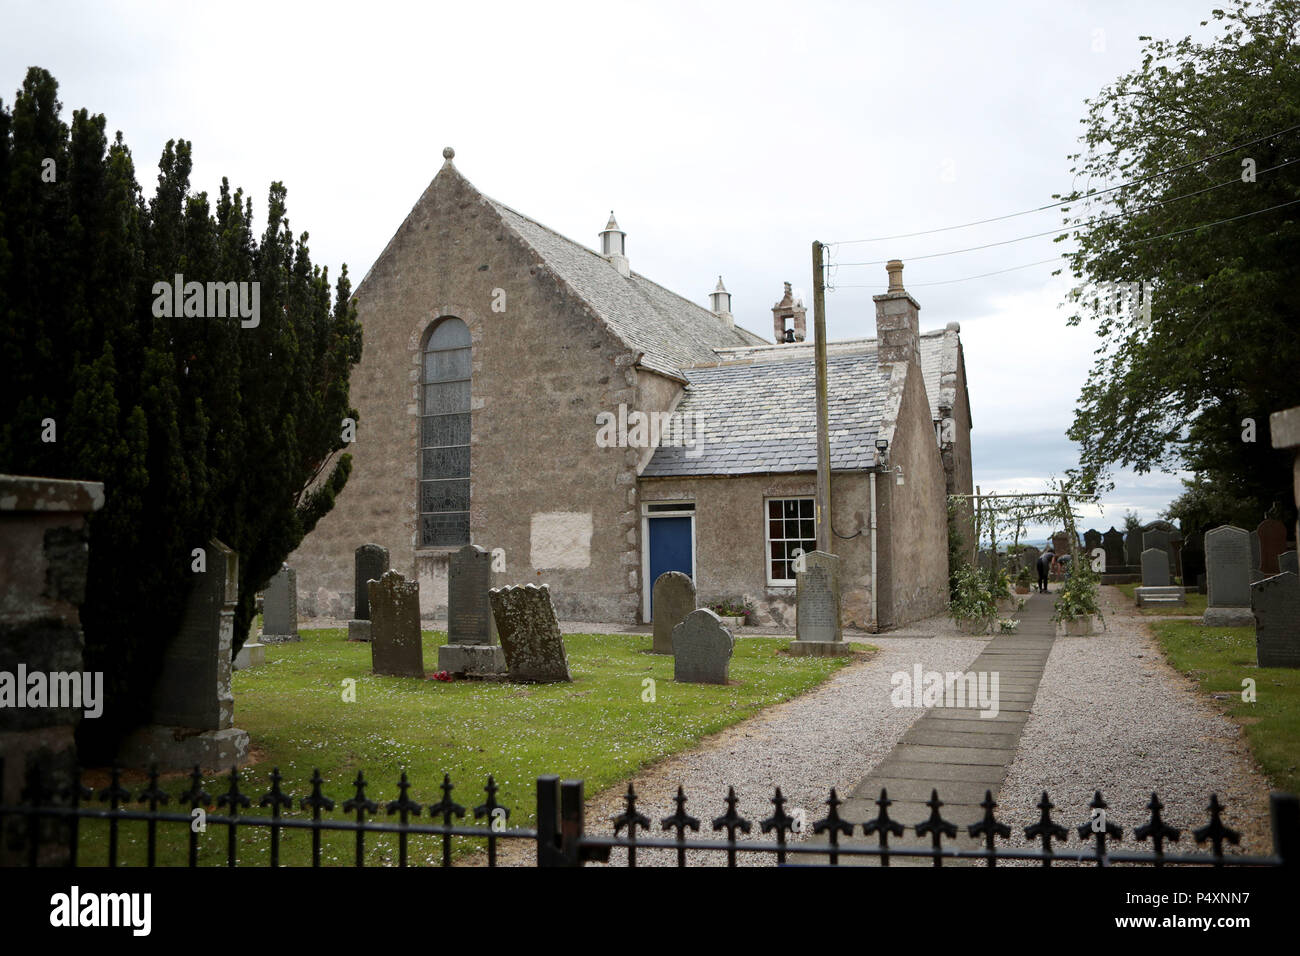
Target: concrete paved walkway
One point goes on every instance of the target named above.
(956, 751)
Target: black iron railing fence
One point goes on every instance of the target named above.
(49, 819)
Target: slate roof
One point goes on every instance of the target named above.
(671, 331)
(932, 349)
(759, 417)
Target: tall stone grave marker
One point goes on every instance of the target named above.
(530, 633)
(1133, 548)
(1112, 542)
(193, 709)
(1272, 541)
(1061, 543)
(1155, 568)
(1275, 602)
(674, 598)
(1193, 560)
(472, 648)
(1029, 558)
(1092, 541)
(394, 606)
(370, 563)
(280, 608)
(1256, 556)
(702, 647)
(1228, 574)
(818, 631)
(1158, 538)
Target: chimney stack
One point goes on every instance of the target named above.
(783, 312)
(613, 245)
(720, 304)
(898, 321)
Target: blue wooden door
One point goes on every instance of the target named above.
(670, 549)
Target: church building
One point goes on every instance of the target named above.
(524, 393)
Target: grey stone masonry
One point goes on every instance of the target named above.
(396, 648)
(702, 648)
(1287, 561)
(818, 598)
(1228, 577)
(1155, 568)
(43, 564)
(193, 707)
(673, 599)
(530, 633)
(1275, 602)
(1158, 539)
(371, 561)
(280, 608)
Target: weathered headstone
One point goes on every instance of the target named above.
(1158, 539)
(530, 633)
(1029, 558)
(1228, 574)
(1061, 543)
(370, 562)
(1133, 548)
(673, 599)
(1112, 542)
(1256, 551)
(396, 648)
(280, 608)
(1155, 568)
(702, 648)
(1287, 561)
(817, 599)
(1193, 560)
(472, 648)
(1091, 540)
(1275, 602)
(193, 709)
(1272, 542)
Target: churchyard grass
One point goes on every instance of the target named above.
(601, 728)
(1218, 658)
(1194, 607)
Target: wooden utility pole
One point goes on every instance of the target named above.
(823, 403)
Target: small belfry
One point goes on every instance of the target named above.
(613, 245)
(789, 310)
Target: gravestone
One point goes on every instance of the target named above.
(1091, 540)
(1112, 542)
(1275, 603)
(1158, 539)
(702, 647)
(673, 599)
(530, 633)
(1286, 561)
(1029, 558)
(1193, 560)
(1228, 576)
(1155, 568)
(1133, 548)
(984, 559)
(369, 563)
(817, 600)
(280, 608)
(1061, 543)
(472, 648)
(1256, 551)
(396, 648)
(1272, 542)
(192, 712)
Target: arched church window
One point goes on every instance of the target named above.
(444, 436)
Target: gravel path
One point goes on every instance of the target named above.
(829, 737)
(1111, 714)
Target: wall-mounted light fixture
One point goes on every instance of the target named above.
(882, 450)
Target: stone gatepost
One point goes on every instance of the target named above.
(43, 564)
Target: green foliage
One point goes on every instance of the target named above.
(1221, 346)
(197, 427)
(996, 582)
(1206, 504)
(1024, 577)
(1078, 595)
(956, 544)
(973, 602)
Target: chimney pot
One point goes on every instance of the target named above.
(895, 269)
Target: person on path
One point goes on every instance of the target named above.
(1044, 569)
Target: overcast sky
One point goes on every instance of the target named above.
(726, 137)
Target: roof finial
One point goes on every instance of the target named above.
(448, 153)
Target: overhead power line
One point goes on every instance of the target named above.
(1065, 202)
(1125, 245)
(1091, 223)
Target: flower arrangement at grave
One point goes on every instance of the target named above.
(1024, 581)
(734, 608)
(1078, 596)
(1007, 625)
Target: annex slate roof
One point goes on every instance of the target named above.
(671, 331)
(759, 417)
(933, 359)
